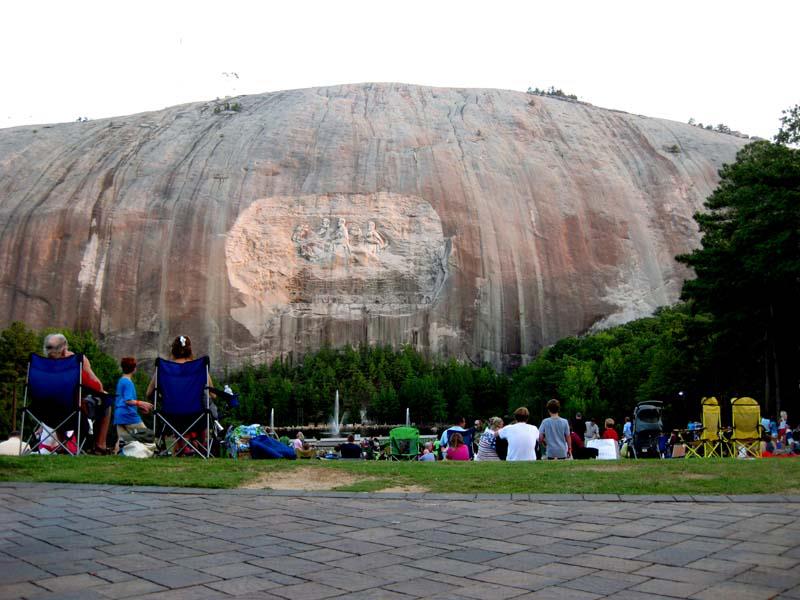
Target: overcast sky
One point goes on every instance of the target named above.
(728, 62)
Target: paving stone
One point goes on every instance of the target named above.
(768, 577)
(375, 561)
(346, 580)
(420, 588)
(379, 594)
(132, 563)
(69, 583)
(449, 566)
(716, 565)
(307, 591)
(356, 546)
(242, 585)
(739, 591)
(597, 584)
(526, 581)
(85, 594)
(682, 574)
(609, 563)
(677, 555)
(501, 546)
(18, 571)
(765, 560)
(666, 587)
(619, 551)
(560, 571)
(195, 592)
(19, 590)
(282, 578)
(176, 576)
(522, 561)
(559, 593)
(414, 552)
(399, 573)
(72, 567)
(631, 594)
(486, 590)
(113, 575)
(289, 565)
(125, 589)
(209, 560)
(472, 555)
(323, 556)
(234, 570)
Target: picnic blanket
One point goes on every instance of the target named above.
(238, 439)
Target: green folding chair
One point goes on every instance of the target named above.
(403, 443)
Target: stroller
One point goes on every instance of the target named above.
(647, 428)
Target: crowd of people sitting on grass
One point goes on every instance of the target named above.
(555, 438)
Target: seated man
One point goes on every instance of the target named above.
(56, 346)
(427, 453)
(521, 436)
(467, 435)
(458, 427)
(554, 433)
(350, 449)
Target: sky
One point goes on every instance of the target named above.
(730, 62)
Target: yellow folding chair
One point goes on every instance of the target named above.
(746, 435)
(712, 422)
(692, 440)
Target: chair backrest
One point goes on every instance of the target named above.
(54, 384)
(404, 441)
(181, 387)
(746, 418)
(711, 419)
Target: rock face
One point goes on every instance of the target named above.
(478, 224)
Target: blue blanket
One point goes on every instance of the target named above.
(263, 446)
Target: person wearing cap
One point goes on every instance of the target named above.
(130, 426)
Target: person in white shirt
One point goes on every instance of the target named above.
(13, 446)
(521, 437)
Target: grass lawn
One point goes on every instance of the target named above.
(713, 476)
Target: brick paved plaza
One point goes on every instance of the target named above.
(194, 544)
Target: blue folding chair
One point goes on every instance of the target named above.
(53, 398)
(182, 405)
(468, 436)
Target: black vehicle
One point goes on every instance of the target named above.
(647, 429)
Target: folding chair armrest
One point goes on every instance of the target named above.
(231, 398)
(104, 396)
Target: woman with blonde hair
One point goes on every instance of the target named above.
(609, 433)
(487, 444)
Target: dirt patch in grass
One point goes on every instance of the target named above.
(306, 479)
(697, 476)
(606, 468)
(406, 489)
